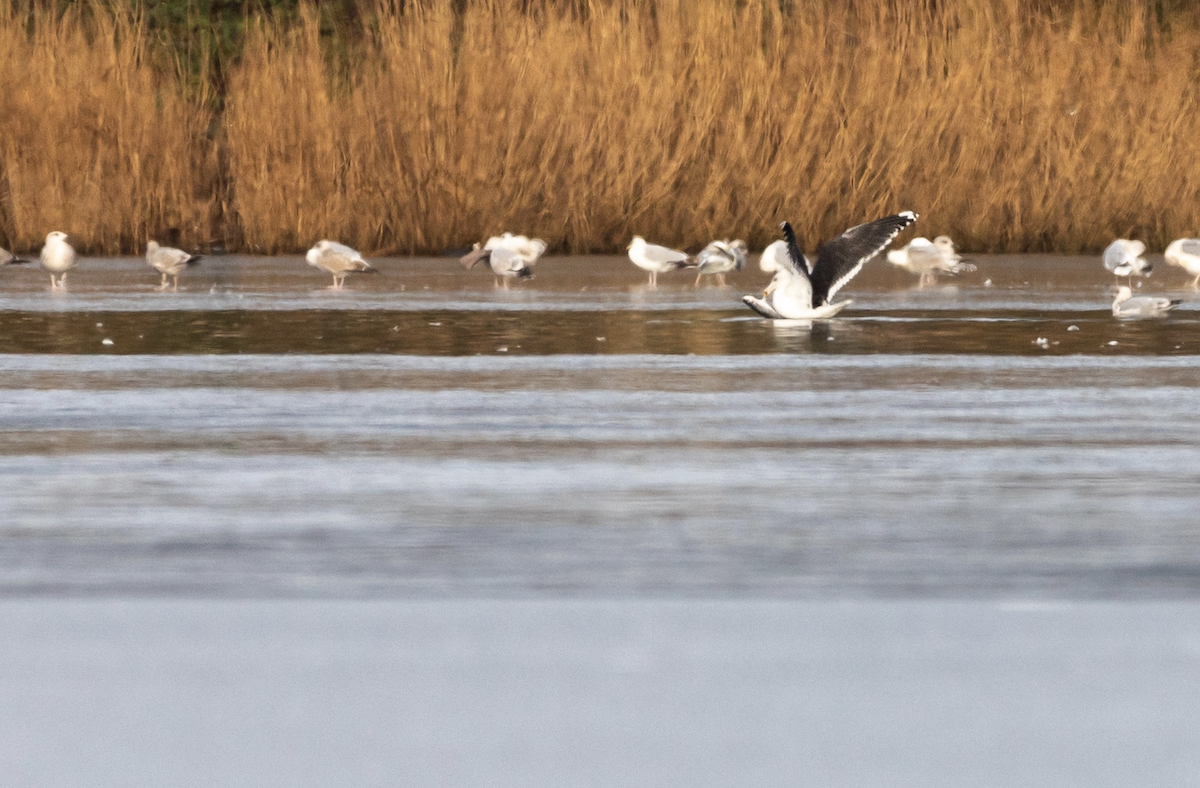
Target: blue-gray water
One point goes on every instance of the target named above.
(583, 533)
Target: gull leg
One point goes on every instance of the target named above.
(176, 287)
(1196, 282)
(162, 285)
(62, 281)
(698, 275)
(654, 278)
(721, 279)
(53, 282)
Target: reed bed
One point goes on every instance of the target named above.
(1012, 125)
(95, 140)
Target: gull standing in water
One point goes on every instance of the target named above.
(1185, 253)
(8, 258)
(929, 258)
(505, 263)
(796, 293)
(720, 257)
(58, 257)
(169, 262)
(656, 259)
(1126, 304)
(1124, 258)
(339, 260)
(527, 250)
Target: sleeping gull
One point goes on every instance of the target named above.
(58, 257)
(655, 259)
(8, 258)
(339, 260)
(1124, 258)
(1185, 253)
(797, 294)
(168, 261)
(720, 257)
(929, 258)
(505, 263)
(1126, 304)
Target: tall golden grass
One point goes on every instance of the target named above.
(1010, 124)
(94, 139)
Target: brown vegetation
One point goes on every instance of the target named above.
(1009, 124)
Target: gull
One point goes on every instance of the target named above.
(1124, 258)
(768, 261)
(505, 263)
(8, 258)
(720, 257)
(797, 293)
(169, 262)
(339, 260)
(656, 259)
(929, 258)
(1185, 253)
(1128, 305)
(528, 250)
(58, 257)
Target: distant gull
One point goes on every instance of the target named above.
(1126, 304)
(58, 257)
(1124, 258)
(339, 260)
(505, 263)
(797, 294)
(169, 262)
(527, 250)
(929, 258)
(656, 259)
(8, 258)
(720, 257)
(1185, 253)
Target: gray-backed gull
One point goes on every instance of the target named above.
(1126, 304)
(339, 260)
(1185, 253)
(656, 259)
(720, 257)
(168, 261)
(1124, 258)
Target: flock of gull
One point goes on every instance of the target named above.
(800, 290)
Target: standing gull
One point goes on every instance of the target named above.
(169, 262)
(798, 294)
(720, 257)
(1185, 253)
(656, 259)
(339, 260)
(1124, 258)
(929, 258)
(1126, 304)
(58, 257)
(528, 250)
(8, 258)
(505, 263)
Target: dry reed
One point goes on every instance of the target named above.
(94, 140)
(1009, 124)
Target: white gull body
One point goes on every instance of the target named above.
(720, 257)
(1126, 304)
(1185, 253)
(928, 258)
(58, 257)
(527, 250)
(1124, 258)
(168, 261)
(655, 259)
(768, 261)
(337, 259)
(803, 292)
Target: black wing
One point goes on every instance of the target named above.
(843, 257)
(796, 262)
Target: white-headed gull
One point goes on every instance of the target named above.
(58, 257)
(929, 258)
(655, 259)
(798, 294)
(1126, 304)
(720, 257)
(168, 261)
(1124, 258)
(505, 262)
(339, 260)
(1185, 253)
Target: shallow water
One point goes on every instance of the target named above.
(422, 433)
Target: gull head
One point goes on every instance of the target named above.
(637, 241)
(313, 255)
(151, 247)
(56, 237)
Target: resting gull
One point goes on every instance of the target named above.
(798, 294)
(505, 263)
(58, 257)
(656, 259)
(1185, 253)
(339, 260)
(169, 262)
(8, 258)
(1126, 304)
(929, 258)
(1124, 258)
(720, 257)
